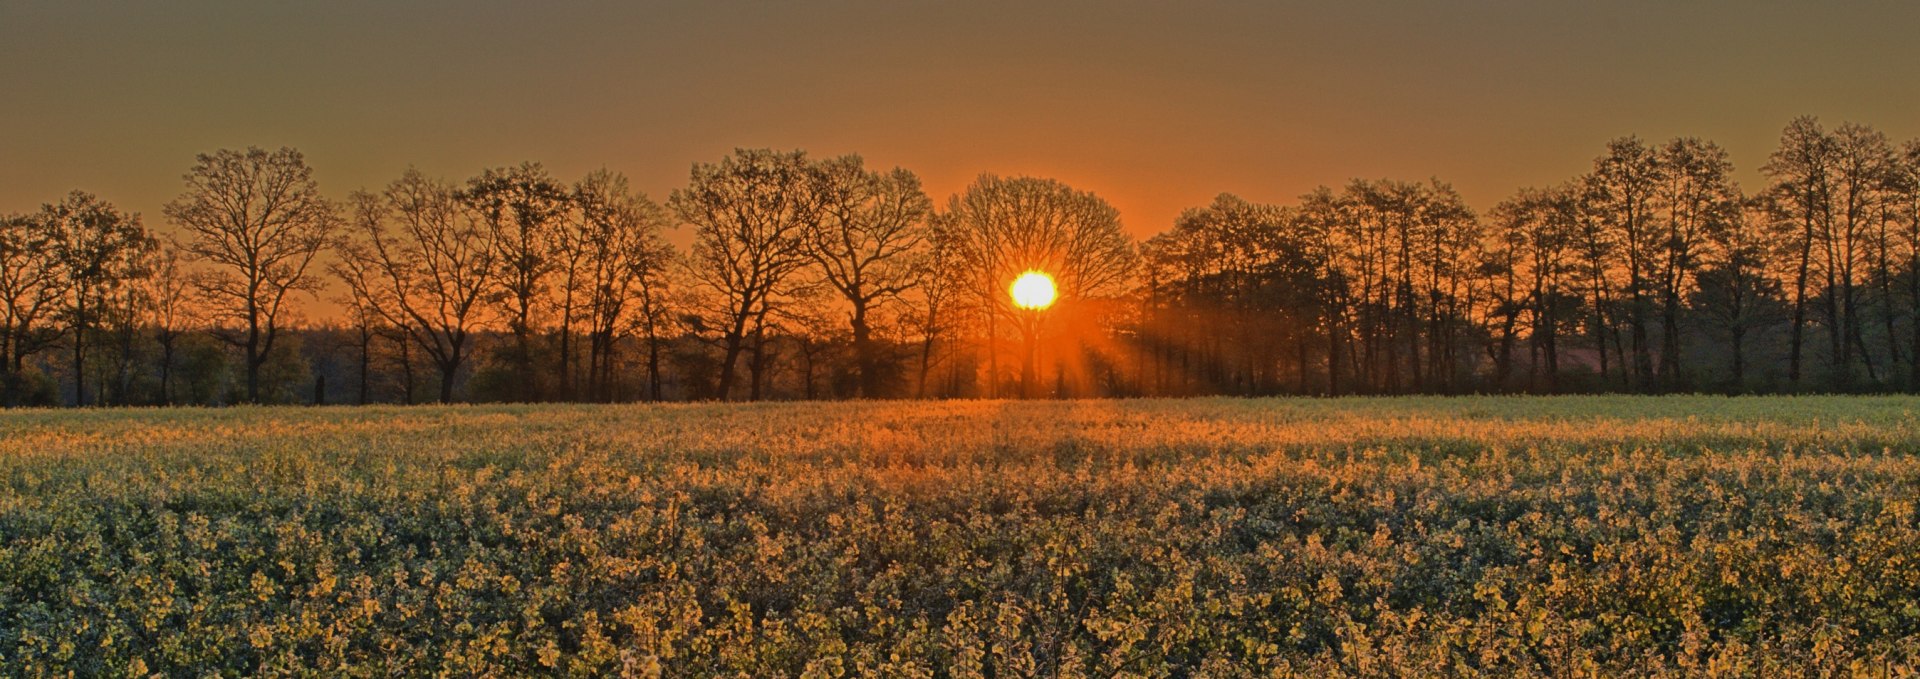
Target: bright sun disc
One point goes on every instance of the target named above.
(1032, 290)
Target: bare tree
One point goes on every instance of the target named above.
(520, 207)
(1696, 199)
(1229, 279)
(1733, 291)
(257, 218)
(1621, 194)
(99, 250)
(1800, 173)
(1862, 171)
(1004, 226)
(750, 212)
(423, 261)
(936, 297)
(867, 246)
(170, 313)
(1906, 207)
(31, 290)
(1549, 247)
(619, 235)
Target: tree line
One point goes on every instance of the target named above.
(809, 277)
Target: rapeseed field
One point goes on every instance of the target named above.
(1553, 537)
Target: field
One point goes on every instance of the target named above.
(1586, 536)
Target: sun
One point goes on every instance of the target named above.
(1032, 290)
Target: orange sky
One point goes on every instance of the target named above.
(1154, 106)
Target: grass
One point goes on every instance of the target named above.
(1577, 536)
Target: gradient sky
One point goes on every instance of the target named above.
(1154, 106)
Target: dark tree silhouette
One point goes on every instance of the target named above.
(521, 208)
(420, 258)
(256, 219)
(620, 236)
(750, 213)
(867, 246)
(31, 290)
(98, 250)
(1005, 226)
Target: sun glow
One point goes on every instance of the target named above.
(1032, 290)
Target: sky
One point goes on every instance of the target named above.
(1154, 106)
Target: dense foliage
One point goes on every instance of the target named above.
(1575, 536)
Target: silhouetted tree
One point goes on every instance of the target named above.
(1906, 214)
(1236, 293)
(257, 219)
(171, 313)
(1005, 226)
(1621, 191)
(1862, 171)
(31, 290)
(1733, 291)
(1800, 174)
(1695, 200)
(627, 259)
(750, 213)
(99, 249)
(936, 297)
(424, 261)
(867, 245)
(520, 208)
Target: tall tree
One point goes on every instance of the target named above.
(1800, 186)
(620, 236)
(170, 314)
(1906, 208)
(936, 298)
(868, 246)
(1551, 266)
(424, 262)
(1319, 219)
(1734, 293)
(1862, 171)
(99, 250)
(521, 208)
(257, 219)
(750, 213)
(1696, 199)
(1621, 191)
(1237, 278)
(1005, 226)
(31, 290)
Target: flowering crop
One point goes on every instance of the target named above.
(1582, 536)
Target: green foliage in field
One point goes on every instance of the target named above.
(1507, 537)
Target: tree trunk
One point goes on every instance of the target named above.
(79, 349)
(993, 353)
(1797, 336)
(1334, 332)
(756, 361)
(406, 368)
(865, 359)
(926, 361)
(653, 361)
(449, 370)
(1913, 351)
(1670, 340)
(366, 346)
(253, 359)
(566, 354)
(1739, 359)
(734, 341)
(166, 370)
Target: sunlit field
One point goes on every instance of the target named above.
(1589, 536)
